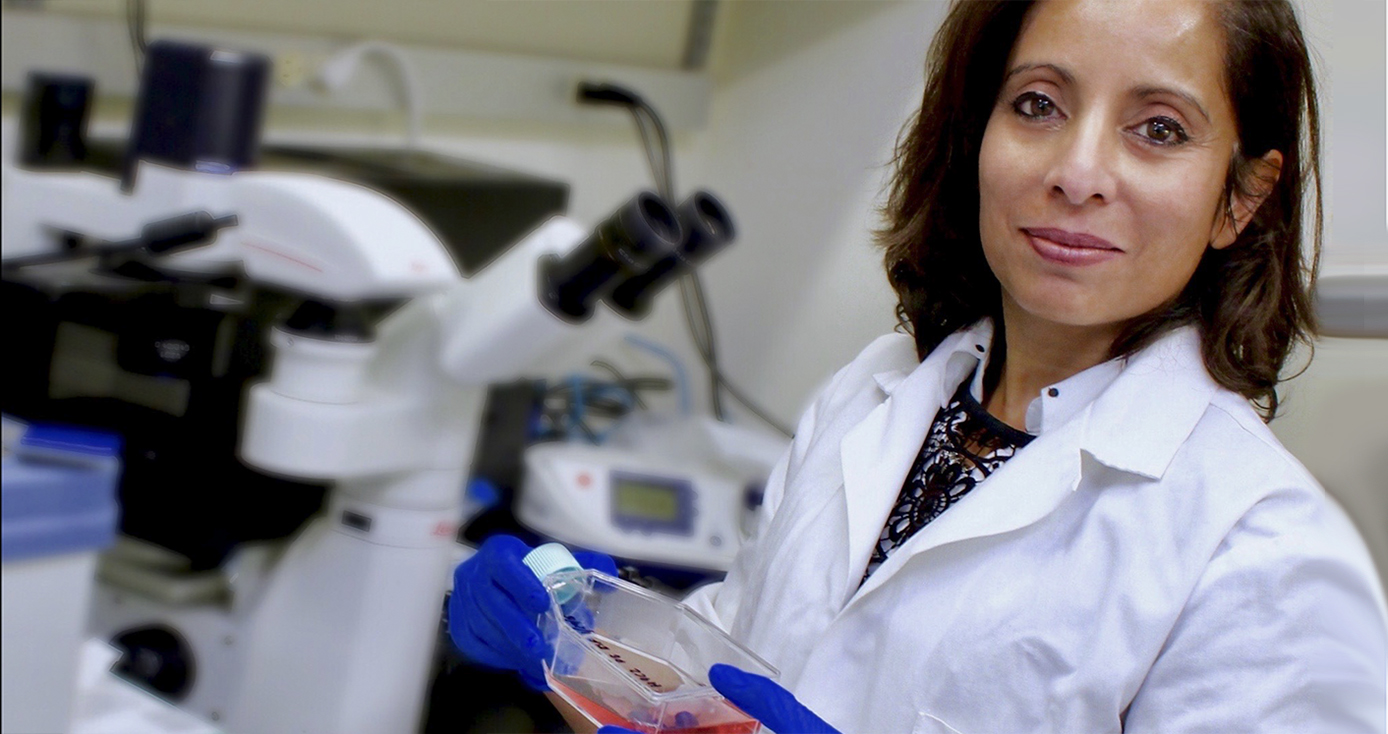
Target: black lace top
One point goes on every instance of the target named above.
(965, 445)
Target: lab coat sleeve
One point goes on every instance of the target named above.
(1284, 632)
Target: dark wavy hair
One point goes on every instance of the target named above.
(1252, 300)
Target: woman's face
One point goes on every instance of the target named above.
(1104, 159)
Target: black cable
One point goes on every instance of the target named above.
(666, 174)
(700, 331)
(48, 258)
(695, 305)
(753, 407)
(171, 234)
(649, 148)
(135, 19)
(621, 380)
(658, 158)
(557, 417)
(691, 287)
(692, 291)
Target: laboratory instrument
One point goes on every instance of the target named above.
(665, 492)
(375, 387)
(623, 655)
(59, 510)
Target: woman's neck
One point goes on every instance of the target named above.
(1041, 353)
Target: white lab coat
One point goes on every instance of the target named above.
(1157, 563)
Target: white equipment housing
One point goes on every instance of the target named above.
(336, 632)
(672, 493)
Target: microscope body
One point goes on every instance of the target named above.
(338, 633)
(348, 622)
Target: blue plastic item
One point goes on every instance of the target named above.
(496, 600)
(482, 493)
(59, 492)
(766, 701)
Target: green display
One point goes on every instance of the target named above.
(646, 501)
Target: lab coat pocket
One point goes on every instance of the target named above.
(928, 724)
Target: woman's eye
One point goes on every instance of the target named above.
(1163, 131)
(1034, 105)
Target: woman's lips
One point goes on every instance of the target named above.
(1070, 248)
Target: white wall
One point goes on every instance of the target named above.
(647, 33)
(1348, 37)
(801, 130)
(1332, 420)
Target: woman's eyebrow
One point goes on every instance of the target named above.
(1060, 71)
(1144, 92)
(1140, 92)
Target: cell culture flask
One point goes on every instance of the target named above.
(625, 656)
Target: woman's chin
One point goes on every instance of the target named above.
(1063, 311)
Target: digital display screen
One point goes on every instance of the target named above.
(646, 500)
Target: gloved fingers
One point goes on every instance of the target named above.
(610, 729)
(465, 616)
(464, 572)
(596, 561)
(479, 651)
(459, 610)
(506, 629)
(502, 610)
(750, 692)
(481, 654)
(488, 579)
(478, 638)
(502, 556)
(766, 701)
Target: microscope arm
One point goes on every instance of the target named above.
(334, 241)
(348, 408)
(40, 206)
(496, 326)
(327, 239)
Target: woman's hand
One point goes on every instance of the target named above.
(496, 600)
(764, 700)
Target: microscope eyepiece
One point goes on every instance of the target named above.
(54, 117)
(707, 227)
(640, 234)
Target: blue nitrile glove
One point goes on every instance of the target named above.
(496, 598)
(764, 700)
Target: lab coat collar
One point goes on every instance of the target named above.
(1135, 425)
(1139, 422)
(961, 351)
(1060, 402)
(1165, 384)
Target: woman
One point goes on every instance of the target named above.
(1053, 505)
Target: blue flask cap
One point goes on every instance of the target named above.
(549, 559)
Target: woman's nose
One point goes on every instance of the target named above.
(1083, 167)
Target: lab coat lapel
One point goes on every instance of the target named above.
(1030, 486)
(877, 453)
(1136, 425)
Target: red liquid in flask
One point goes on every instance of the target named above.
(733, 720)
